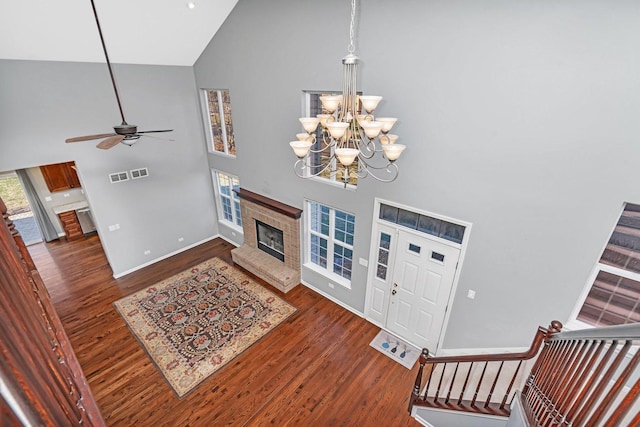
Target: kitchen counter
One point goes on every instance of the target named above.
(70, 207)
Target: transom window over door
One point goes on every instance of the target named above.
(217, 109)
(330, 234)
(614, 296)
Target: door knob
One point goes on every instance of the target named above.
(393, 292)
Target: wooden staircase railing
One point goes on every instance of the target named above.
(579, 378)
(589, 377)
(481, 384)
(43, 382)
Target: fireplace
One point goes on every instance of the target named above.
(271, 248)
(269, 240)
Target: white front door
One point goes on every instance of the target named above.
(423, 275)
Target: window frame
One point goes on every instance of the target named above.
(332, 179)
(573, 322)
(234, 200)
(331, 241)
(206, 113)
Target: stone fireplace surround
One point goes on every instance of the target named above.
(282, 275)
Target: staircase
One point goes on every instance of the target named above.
(577, 378)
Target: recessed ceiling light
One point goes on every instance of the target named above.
(191, 5)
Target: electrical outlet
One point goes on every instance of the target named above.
(180, 239)
(471, 294)
(117, 226)
(112, 228)
(66, 195)
(331, 285)
(147, 252)
(363, 262)
(47, 198)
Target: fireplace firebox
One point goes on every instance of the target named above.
(270, 240)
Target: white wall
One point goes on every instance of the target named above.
(520, 117)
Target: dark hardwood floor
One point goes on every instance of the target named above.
(315, 369)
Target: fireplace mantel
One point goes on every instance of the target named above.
(283, 275)
(268, 203)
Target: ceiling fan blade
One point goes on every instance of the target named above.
(89, 137)
(110, 142)
(154, 131)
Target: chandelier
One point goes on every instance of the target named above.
(351, 142)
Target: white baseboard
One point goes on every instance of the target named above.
(337, 301)
(153, 261)
(225, 239)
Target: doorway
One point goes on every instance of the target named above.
(421, 284)
(418, 256)
(18, 208)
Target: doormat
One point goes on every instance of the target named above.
(195, 322)
(396, 348)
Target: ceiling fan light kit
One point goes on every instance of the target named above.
(124, 133)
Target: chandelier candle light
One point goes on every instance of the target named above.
(349, 131)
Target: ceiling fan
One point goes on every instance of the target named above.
(123, 133)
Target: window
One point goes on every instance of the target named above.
(330, 241)
(217, 107)
(383, 256)
(320, 156)
(227, 200)
(614, 294)
(423, 223)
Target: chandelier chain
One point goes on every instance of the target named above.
(352, 46)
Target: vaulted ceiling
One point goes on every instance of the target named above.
(166, 32)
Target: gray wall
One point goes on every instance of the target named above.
(520, 117)
(43, 103)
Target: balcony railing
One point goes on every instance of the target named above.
(578, 378)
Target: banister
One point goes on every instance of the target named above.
(581, 378)
(541, 334)
(618, 332)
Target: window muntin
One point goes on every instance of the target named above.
(423, 223)
(383, 256)
(319, 155)
(217, 105)
(227, 200)
(330, 236)
(614, 294)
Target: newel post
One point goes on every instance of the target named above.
(544, 335)
(415, 393)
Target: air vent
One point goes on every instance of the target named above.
(139, 173)
(118, 177)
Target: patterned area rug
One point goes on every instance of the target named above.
(195, 322)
